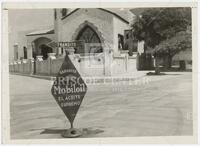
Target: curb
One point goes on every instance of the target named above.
(34, 76)
(91, 80)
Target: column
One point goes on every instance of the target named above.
(51, 56)
(29, 51)
(31, 65)
(107, 61)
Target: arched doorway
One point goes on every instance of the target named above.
(45, 50)
(91, 40)
(40, 47)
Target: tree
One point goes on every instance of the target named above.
(159, 27)
(169, 47)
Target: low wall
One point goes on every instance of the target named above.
(42, 67)
(132, 64)
(118, 65)
(92, 65)
(27, 68)
(86, 66)
(22, 67)
(123, 64)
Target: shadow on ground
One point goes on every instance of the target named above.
(160, 74)
(86, 132)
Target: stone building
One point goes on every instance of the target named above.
(102, 34)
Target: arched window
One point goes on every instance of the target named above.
(89, 36)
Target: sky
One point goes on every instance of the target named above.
(20, 20)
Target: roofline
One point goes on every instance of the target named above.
(70, 14)
(100, 9)
(50, 32)
(114, 15)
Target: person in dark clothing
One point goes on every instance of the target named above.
(129, 44)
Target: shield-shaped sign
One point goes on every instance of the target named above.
(69, 89)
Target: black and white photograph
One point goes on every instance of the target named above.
(100, 72)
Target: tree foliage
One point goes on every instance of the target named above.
(181, 41)
(159, 24)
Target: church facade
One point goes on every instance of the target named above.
(100, 37)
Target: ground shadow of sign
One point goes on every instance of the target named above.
(86, 132)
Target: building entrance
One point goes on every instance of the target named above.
(45, 50)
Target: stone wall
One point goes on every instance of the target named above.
(22, 67)
(42, 67)
(118, 65)
(91, 65)
(96, 65)
(123, 63)
(132, 63)
(87, 66)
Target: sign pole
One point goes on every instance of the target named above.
(72, 132)
(69, 90)
(71, 123)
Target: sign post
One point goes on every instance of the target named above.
(69, 90)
